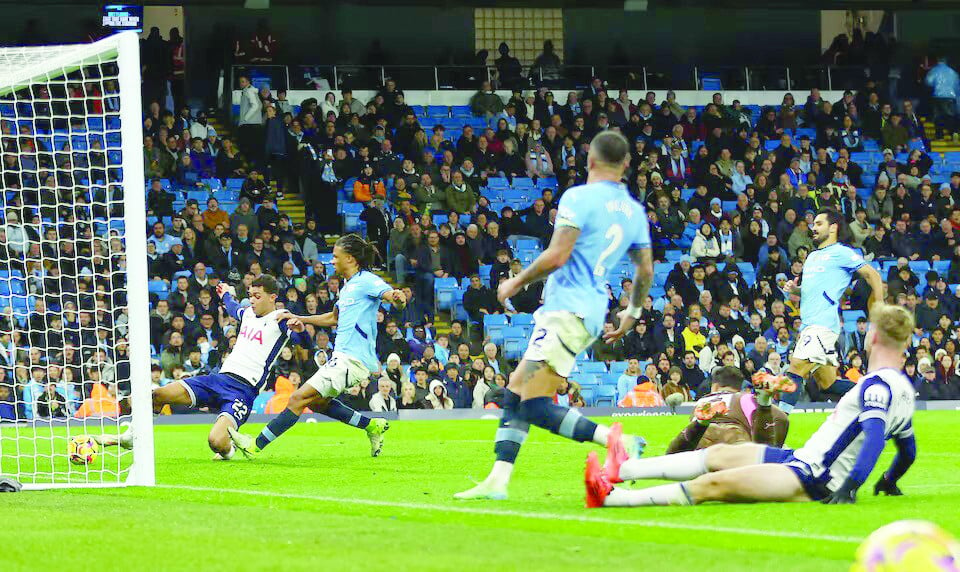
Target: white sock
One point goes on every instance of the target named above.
(600, 435)
(229, 455)
(663, 495)
(676, 467)
(500, 474)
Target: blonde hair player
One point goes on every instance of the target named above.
(830, 467)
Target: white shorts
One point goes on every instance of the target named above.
(337, 375)
(817, 344)
(558, 338)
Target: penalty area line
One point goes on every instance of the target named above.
(522, 514)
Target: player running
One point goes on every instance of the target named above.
(597, 223)
(728, 415)
(354, 355)
(830, 467)
(827, 273)
(264, 331)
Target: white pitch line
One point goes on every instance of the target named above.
(521, 514)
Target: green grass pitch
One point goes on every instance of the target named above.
(315, 500)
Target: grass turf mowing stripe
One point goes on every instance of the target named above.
(520, 514)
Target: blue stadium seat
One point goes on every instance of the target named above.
(521, 320)
(919, 267)
(493, 327)
(438, 111)
(593, 367)
(484, 273)
(417, 110)
(514, 347)
(687, 194)
(588, 396)
(588, 380)
(158, 287)
(460, 111)
(942, 267)
(443, 288)
(234, 184)
(618, 367)
(199, 196)
(606, 396)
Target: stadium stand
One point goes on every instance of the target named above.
(449, 192)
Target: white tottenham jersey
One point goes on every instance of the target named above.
(259, 342)
(883, 394)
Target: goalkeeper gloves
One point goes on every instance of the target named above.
(846, 494)
(888, 487)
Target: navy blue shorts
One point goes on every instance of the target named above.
(816, 487)
(231, 396)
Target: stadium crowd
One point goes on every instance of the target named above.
(730, 190)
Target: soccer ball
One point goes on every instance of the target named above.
(908, 545)
(83, 450)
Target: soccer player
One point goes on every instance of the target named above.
(596, 224)
(264, 331)
(354, 355)
(827, 273)
(728, 415)
(830, 467)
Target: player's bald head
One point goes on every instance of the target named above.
(609, 150)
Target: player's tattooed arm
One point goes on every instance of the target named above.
(555, 256)
(395, 297)
(327, 320)
(642, 281)
(642, 276)
(873, 278)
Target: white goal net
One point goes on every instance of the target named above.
(74, 335)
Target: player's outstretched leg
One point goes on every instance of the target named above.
(374, 426)
(123, 440)
(511, 434)
(755, 483)
(681, 466)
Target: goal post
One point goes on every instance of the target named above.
(74, 306)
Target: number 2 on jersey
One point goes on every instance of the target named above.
(615, 236)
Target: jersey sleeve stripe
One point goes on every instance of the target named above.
(873, 414)
(565, 222)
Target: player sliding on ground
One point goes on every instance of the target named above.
(830, 467)
(354, 355)
(263, 333)
(827, 273)
(596, 225)
(728, 415)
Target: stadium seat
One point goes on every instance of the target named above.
(588, 396)
(493, 326)
(606, 396)
(521, 320)
(618, 367)
(941, 267)
(513, 348)
(588, 380)
(593, 367)
(443, 289)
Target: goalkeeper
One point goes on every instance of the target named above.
(727, 415)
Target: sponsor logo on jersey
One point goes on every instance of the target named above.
(876, 396)
(252, 334)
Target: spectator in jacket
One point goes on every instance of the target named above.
(459, 196)
(945, 85)
(705, 246)
(486, 103)
(382, 401)
(457, 390)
